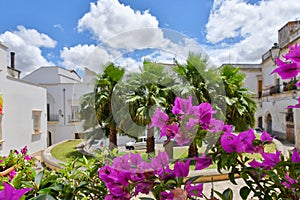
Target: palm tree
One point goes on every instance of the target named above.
(203, 83)
(240, 107)
(150, 87)
(100, 103)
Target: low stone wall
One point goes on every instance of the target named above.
(49, 160)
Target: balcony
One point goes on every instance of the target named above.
(72, 118)
(274, 90)
(53, 117)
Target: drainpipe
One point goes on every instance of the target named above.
(12, 60)
(64, 105)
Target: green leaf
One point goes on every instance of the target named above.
(38, 179)
(192, 179)
(228, 194)
(44, 197)
(231, 178)
(230, 101)
(244, 192)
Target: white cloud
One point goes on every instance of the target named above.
(254, 25)
(58, 26)
(27, 43)
(90, 56)
(120, 30)
(121, 26)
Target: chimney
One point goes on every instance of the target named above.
(12, 60)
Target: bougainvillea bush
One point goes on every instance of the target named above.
(274, 176)
(271, 175)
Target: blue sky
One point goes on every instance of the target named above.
(81, 33)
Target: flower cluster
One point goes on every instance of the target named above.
(243, 142)
(16, 164)
(186, 119)
(129, 176)
(290, 68)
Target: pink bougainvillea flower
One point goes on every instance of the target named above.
(293, 54)
(270, 159)
(181, 169)
(246, 138)
(9, 192)
(205, 114)
(231, 143)
(159, 119)
(265, 137)
(194, 190)
(295, 156)
(169, 130)
(24, 150)
(182, 137)
(255, 164)
(27, 158)
(167, 195)
(182, 106)
(12, 174)
(191, 124)
(289, 181)
(160, 161)
(298, 84)
(202, 162)
(215, 125)
(297, 105)
(143, 187)
(135, 159)
(227, 128)
(286, 70)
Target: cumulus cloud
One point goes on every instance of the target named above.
(120, 26)
(120, 29)
(87, 56)
(251, 28)
(27, 43)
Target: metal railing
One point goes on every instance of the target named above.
(53, 117)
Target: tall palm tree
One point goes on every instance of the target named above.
(100, 102)
(203, 83)
(240, 107)
(150, 87)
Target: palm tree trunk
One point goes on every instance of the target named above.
(193, 150)
(112, 137)
(150, 141)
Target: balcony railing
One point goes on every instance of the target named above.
(53, 117)
(72, 118)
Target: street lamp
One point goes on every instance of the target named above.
(275, 50)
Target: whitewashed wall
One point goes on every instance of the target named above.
(20, 99)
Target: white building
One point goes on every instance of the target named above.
(274, 95)
(64, 90)
(23, 120)
(278, 94)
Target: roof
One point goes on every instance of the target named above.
(243, 65)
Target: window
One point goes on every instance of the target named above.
(36, 116)
(74, 114)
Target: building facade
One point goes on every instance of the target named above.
(64, 90)
(23, 109)
(278, 94)
(273, 94)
